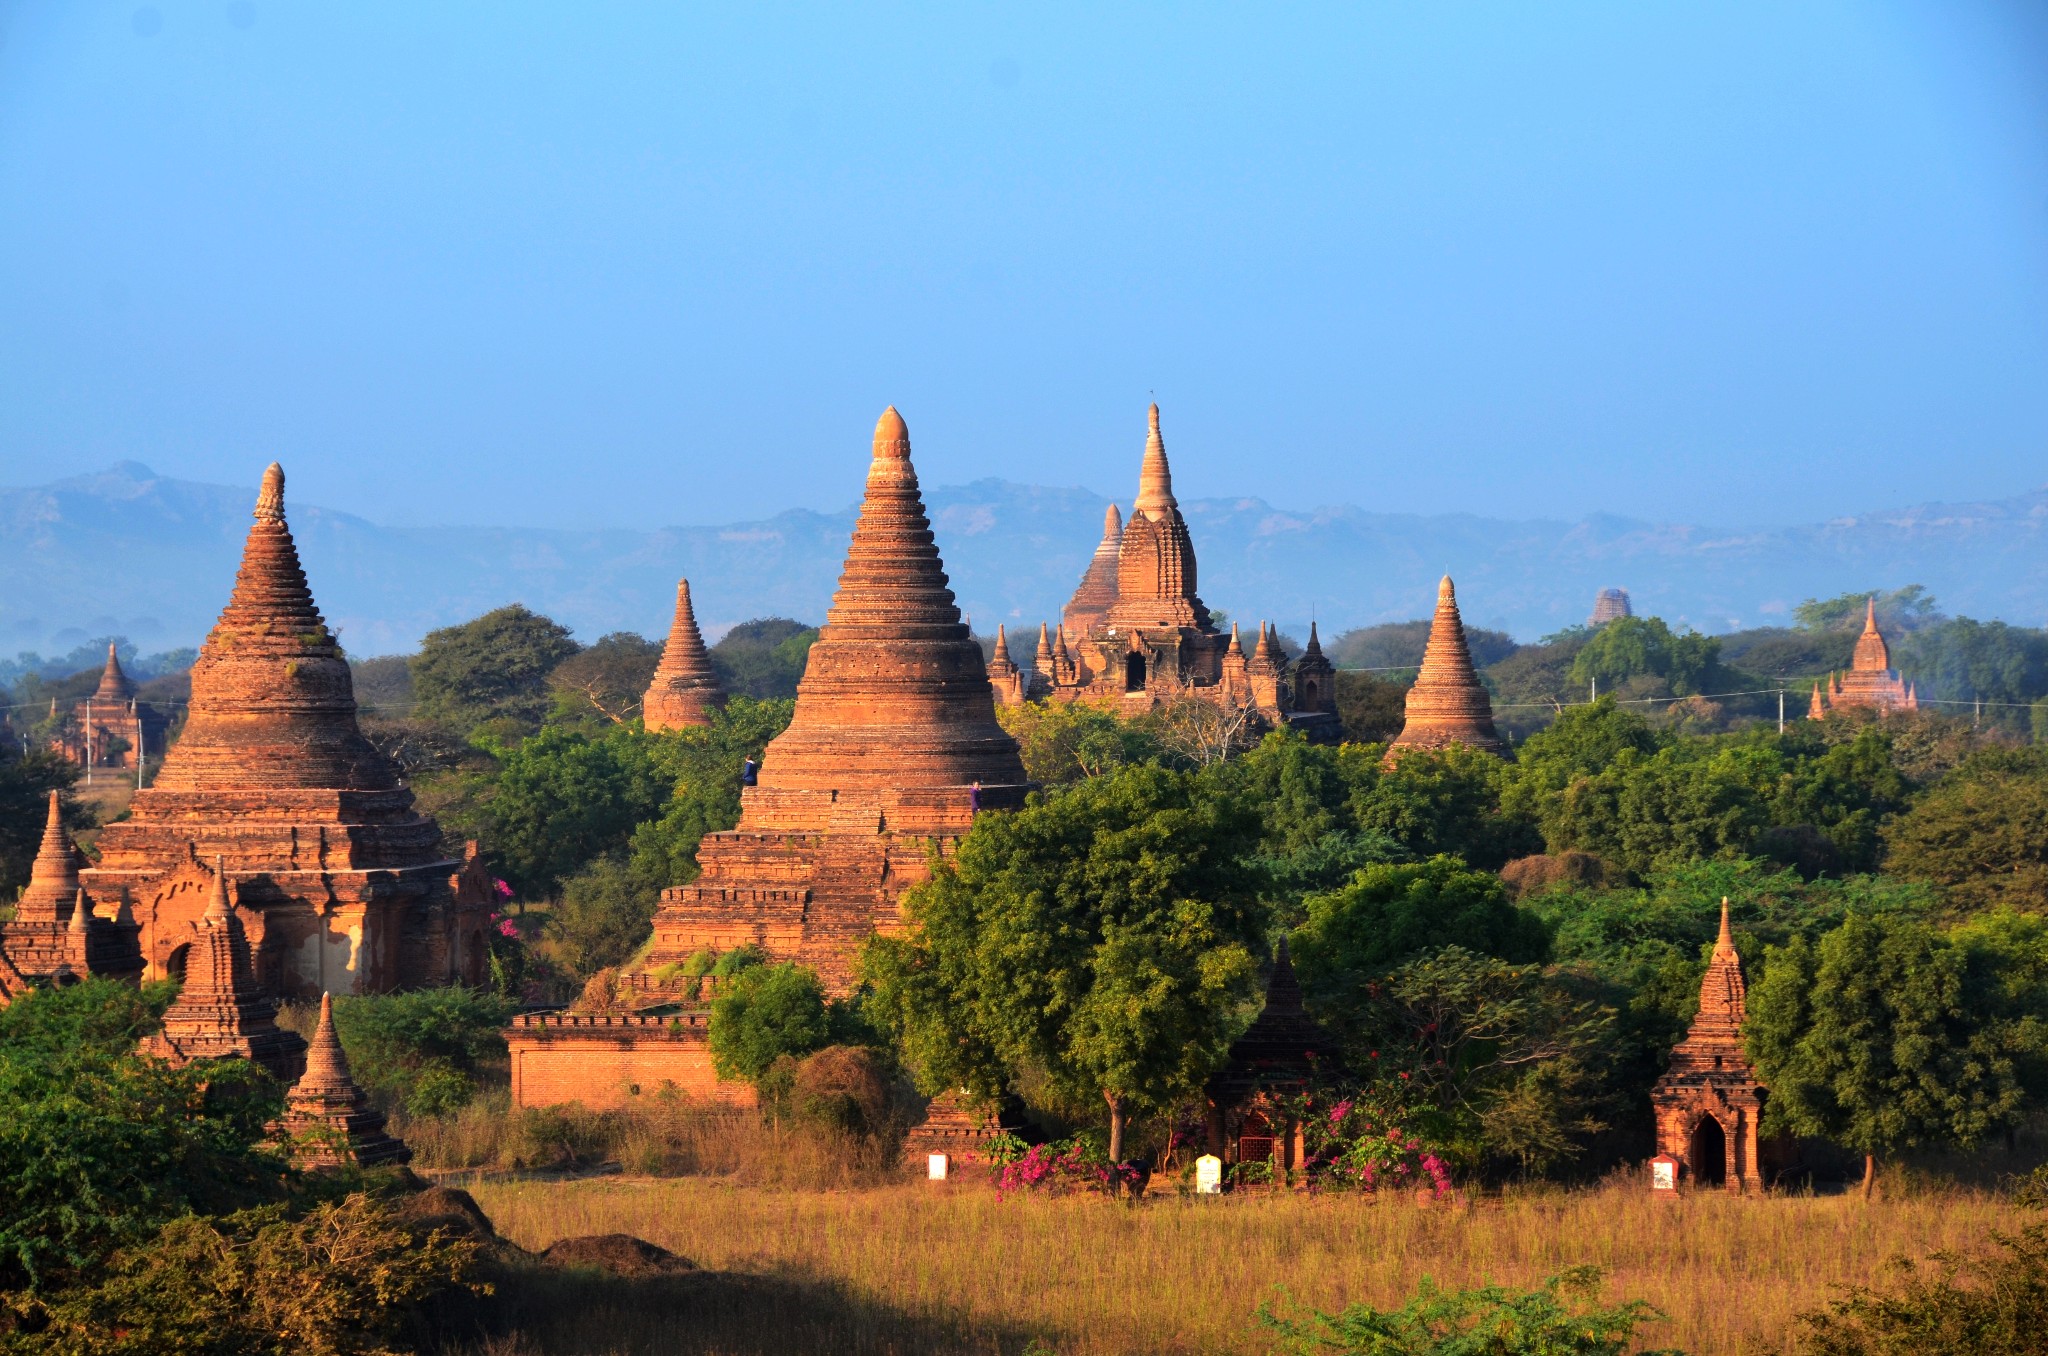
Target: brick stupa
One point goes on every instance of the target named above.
(1096, 595)
(1448, 704)
(1708, 1103)
(685, 690)
(1871, 682)
(892, 749)
(222, 1012)
(346, 885)
(329, 1118)
(55, 932)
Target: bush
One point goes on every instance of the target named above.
(1987, 1304)
(766, 1013)
(846, 1087)
(424, 1051)
(345, 1278)
(1561, 1317)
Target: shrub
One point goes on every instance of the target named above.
(767, 1012)
(1988, 1304)
(1561, 1317)
(345, 1278)
(423, 1050)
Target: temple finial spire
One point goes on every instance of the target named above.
(270, 499)
(217, 907)
(1155, 477)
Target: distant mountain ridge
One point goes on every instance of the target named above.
(127, 551)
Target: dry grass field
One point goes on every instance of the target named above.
(915, 1269)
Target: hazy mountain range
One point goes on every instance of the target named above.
(126, 551)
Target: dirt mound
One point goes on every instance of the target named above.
(449, 1208)
(1537, 875)
(620, 1254)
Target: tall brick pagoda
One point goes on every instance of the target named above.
(892, 749)
(328, 1117)
(1089, 608)
(685, 690)
(1448, 704)
(1136, 635)
(222, 1012)
(1708, 1103)
(111, 728)
(346, 885)
(55, 932)
(1871, 682)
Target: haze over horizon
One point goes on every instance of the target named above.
(617, 267)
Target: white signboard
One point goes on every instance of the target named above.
(1663, 1173)
(935, 1166)
(1208, 1175)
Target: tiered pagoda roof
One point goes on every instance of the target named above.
(222, 1012)
(1871, 681)
(329, 1117)
(1090, 606)
(1155, 575)
(685, 690)
(1448, 704)
(54, 928)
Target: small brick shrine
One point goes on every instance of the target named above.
(111, 728)
(1448, 704)
(1708, 1102)
(1871, 681)
(685, 689)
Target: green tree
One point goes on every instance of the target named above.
(492, 670)
(1873, 1038)
(1371, 706)
(702, 764)
(1064, 742)
(1631, 646)
(1100, 937)
(564, 797)
(1390, 914)
(1447, 800)
(1982, 832)
(767, 1013)
(425, 1050)
(100, 1145)
(764, 658)
(604, 682)
(605, 912)
(1898, 611)
(1988, 1302)
(1561, 1317)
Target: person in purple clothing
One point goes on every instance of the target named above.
(974, 796)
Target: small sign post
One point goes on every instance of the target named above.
(935, 1166)
(1208, 1175)
(1663, 1173)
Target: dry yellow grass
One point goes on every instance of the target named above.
(912, 1269)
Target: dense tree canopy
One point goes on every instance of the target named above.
(492, 670)
(763, 659)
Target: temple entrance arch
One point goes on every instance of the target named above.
(1709, 1153)
(174, 964)
(1308, 695)
(1134, 673)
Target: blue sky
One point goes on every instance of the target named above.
(642, 264)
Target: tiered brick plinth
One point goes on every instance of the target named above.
(892, 750)
(1448, 704)
(1871, 681)
(685, 690)
(1708, 1103)
(347, 885)
(328, 1118)
(55, 932)
(222, 1011)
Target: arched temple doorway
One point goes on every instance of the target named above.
(1134, 673)
(1709, 1156)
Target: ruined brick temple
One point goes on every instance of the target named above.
(56, 935)
(892, 751)
(341, 886)
(1448, 704)
(1136, 636)
(1708, 1103)
(685, 690)
(222, 1010)
(1871, 682)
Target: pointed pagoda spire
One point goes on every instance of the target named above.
(1872, 654)
(1234, 648)
(1315, 645)
(1817, 708)
(1089, 608)
(116, 688)
(1155, 573)
(81, 915)
(1283, 990)
(685, 689)
(328, 1116)
(222, 1011)
(1155, 477)
(273, 703)
(53, 878)
(1283, 1048)
(1000, 662)
(1723, 994)
(1448, 704)
(895, 694)
(1043, 660)
(1268, 649)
